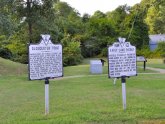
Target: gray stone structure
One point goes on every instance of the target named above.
(96, 67)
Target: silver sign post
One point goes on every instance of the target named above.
(46, 96)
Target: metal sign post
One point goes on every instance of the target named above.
(46, 96)
(142, 59)
(123, 81)
(114, 81)
(144, 65)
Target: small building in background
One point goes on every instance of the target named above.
(96, 67)
(155, 39)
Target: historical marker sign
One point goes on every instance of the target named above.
(45, 59)
(122, 59)
(140, 59)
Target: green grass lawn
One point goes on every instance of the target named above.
(85, 99)
(156, 63)
(85, 70)
(12, 68)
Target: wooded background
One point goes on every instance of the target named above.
(22, 22)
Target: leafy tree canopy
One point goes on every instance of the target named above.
(80, 36)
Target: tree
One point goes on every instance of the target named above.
(4, 51)
(98, 14)
(117, 16)
(90, 33)
(68, 19)
(37, 16)
(161, 47)
(71, 28)
(135, 29)
(7, 20)
(155, 16)
(98, 34)
(160, 21)
(41, 17)
(85, 18)
(18, 46)
(71, 52)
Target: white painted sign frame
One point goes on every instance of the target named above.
(140, 59)
(119, 56)
(45, 53)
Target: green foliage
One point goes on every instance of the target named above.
(98, 14)
(17, 44)
(85, 18)
(7, 19)
(92, 33)
(129, 23)
(151, 15)
(134, 28)
(71, 51)
(4, 52)
(68, 20)
(161, 49)
(104, 52)
(99, 32)
(145, 51)
(156, 16)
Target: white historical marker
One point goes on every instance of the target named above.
(140, 59)
(122, 59)
(122, 63)
(45, 62)
(45, 59)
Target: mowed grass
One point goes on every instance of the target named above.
(85, 70)
(85, 99)
(8, 67)
(156, 63)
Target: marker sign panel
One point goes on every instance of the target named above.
(45, 59)
(122, 59)
(140, 59)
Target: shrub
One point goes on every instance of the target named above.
(161, 47)
(149, 54)
(72, 54)
(5, 53)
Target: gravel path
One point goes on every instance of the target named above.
(162, 71)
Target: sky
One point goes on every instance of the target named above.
(90, 6)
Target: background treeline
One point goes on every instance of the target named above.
(81, 36)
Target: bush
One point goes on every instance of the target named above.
(149, 54)
(21, 59)
(104, 52)
(71, 60)
(5, 53)
(18, 46)
(161, 49)
(72, 54)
